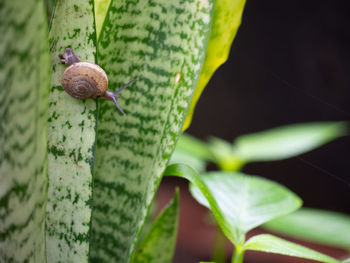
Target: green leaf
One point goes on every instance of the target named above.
(193, 146)
(179, 156)
(158, 245)
(50, 8)
(192, 152)
(288, 141)
(224, 156)
(187, 172)
(346, 260)
(226, 20)
(24, 82)
(321, 226)
(101, 8)
(271, 244)
(246, 201)
(162, 42)
(239, 202)
(71, 139)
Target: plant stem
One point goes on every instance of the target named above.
(219, 253)
(231, 163)
(238, 253)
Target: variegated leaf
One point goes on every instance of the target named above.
(163, 43)
(71, 139)
(24, 82)
(226, 20)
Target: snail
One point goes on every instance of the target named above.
(84, 80)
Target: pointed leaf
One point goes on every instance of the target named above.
(24, 82)
(50, 8)
(101, 8)
(226, 20)
(187, 172)
(162, 42)
(246, 201)
(271, 244)
(158, 245)
(288, 141)
(321, 226)
(71, 139)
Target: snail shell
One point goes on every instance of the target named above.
(84, 80)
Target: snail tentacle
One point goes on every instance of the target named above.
(125, 85)
(68, 57)
(117, 105)
(114, 95)
(83, 80)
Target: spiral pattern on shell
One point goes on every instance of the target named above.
(84, 80)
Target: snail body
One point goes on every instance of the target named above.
(83, 80)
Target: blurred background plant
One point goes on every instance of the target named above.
(289, 64)
(248, 202)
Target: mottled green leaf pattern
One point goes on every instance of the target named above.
(163, 43)
(24, 82)
(159, 243)
(71, 139)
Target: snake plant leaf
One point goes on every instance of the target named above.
(24, 82)
(226, 20)
(101, 8)
(158, 244)
(288, 141)
(163, 43)
(325, 227)
(246, 201)
(71, 139)
(272, 244)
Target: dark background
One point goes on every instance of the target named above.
(289, 63)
